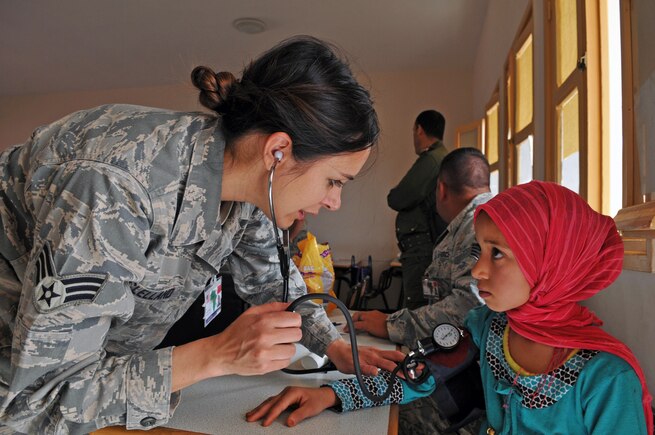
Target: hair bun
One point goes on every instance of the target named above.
(214, 87)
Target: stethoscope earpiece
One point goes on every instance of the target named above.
(278, 155)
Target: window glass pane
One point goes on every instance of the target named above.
(566, 38)
(492, 134)
(524, 161)
(494, 181)
(615, 107)
(524, 85)
(568, 141)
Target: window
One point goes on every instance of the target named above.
(520, 107)
(566, 97)
(524, 159)
(568, 141)
(598, 117)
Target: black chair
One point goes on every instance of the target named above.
(345, 274)
(356, 294)
(384, 283)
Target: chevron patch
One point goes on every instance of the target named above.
(54, 291)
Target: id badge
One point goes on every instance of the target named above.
(213, 296)
(428, 288)
(435, 289)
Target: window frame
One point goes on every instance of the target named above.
(586, 80)
(512, 139)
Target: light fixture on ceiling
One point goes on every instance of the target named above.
(249, 25)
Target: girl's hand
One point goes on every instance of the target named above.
(370, 358)
(309, 402)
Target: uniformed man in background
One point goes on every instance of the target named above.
(417, 224)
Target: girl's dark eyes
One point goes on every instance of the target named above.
(496, 254)
(336, 183)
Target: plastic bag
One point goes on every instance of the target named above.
(314, 262)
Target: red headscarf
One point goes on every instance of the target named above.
(567, 253)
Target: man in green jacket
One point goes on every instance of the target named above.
(417, 223)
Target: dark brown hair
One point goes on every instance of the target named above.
(299, 87)
(432, 122)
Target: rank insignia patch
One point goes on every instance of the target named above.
(53, 291)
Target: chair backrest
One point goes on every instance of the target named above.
(384, 282)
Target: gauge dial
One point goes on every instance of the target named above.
(446, 335)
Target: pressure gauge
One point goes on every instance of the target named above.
(446, 335)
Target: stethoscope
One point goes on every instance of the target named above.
(410, 362)
(282, 249)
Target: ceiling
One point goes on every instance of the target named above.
(72, 45)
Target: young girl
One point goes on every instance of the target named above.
(546, 365)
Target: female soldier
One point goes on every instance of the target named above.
(116, 218)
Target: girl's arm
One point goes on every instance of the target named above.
(351, 397)
(342, 396)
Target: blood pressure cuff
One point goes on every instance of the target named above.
(458, 394)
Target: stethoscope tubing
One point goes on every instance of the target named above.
(283, 255)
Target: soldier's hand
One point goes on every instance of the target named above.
(373, 322)
(259, 341)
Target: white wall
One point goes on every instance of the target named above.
(627, 305)
(20, 115)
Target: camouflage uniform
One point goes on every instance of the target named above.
(454, 293)
(413, 230)
(112, 227)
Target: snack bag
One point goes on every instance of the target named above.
(315, 265)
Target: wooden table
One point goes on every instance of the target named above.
(218, 405)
